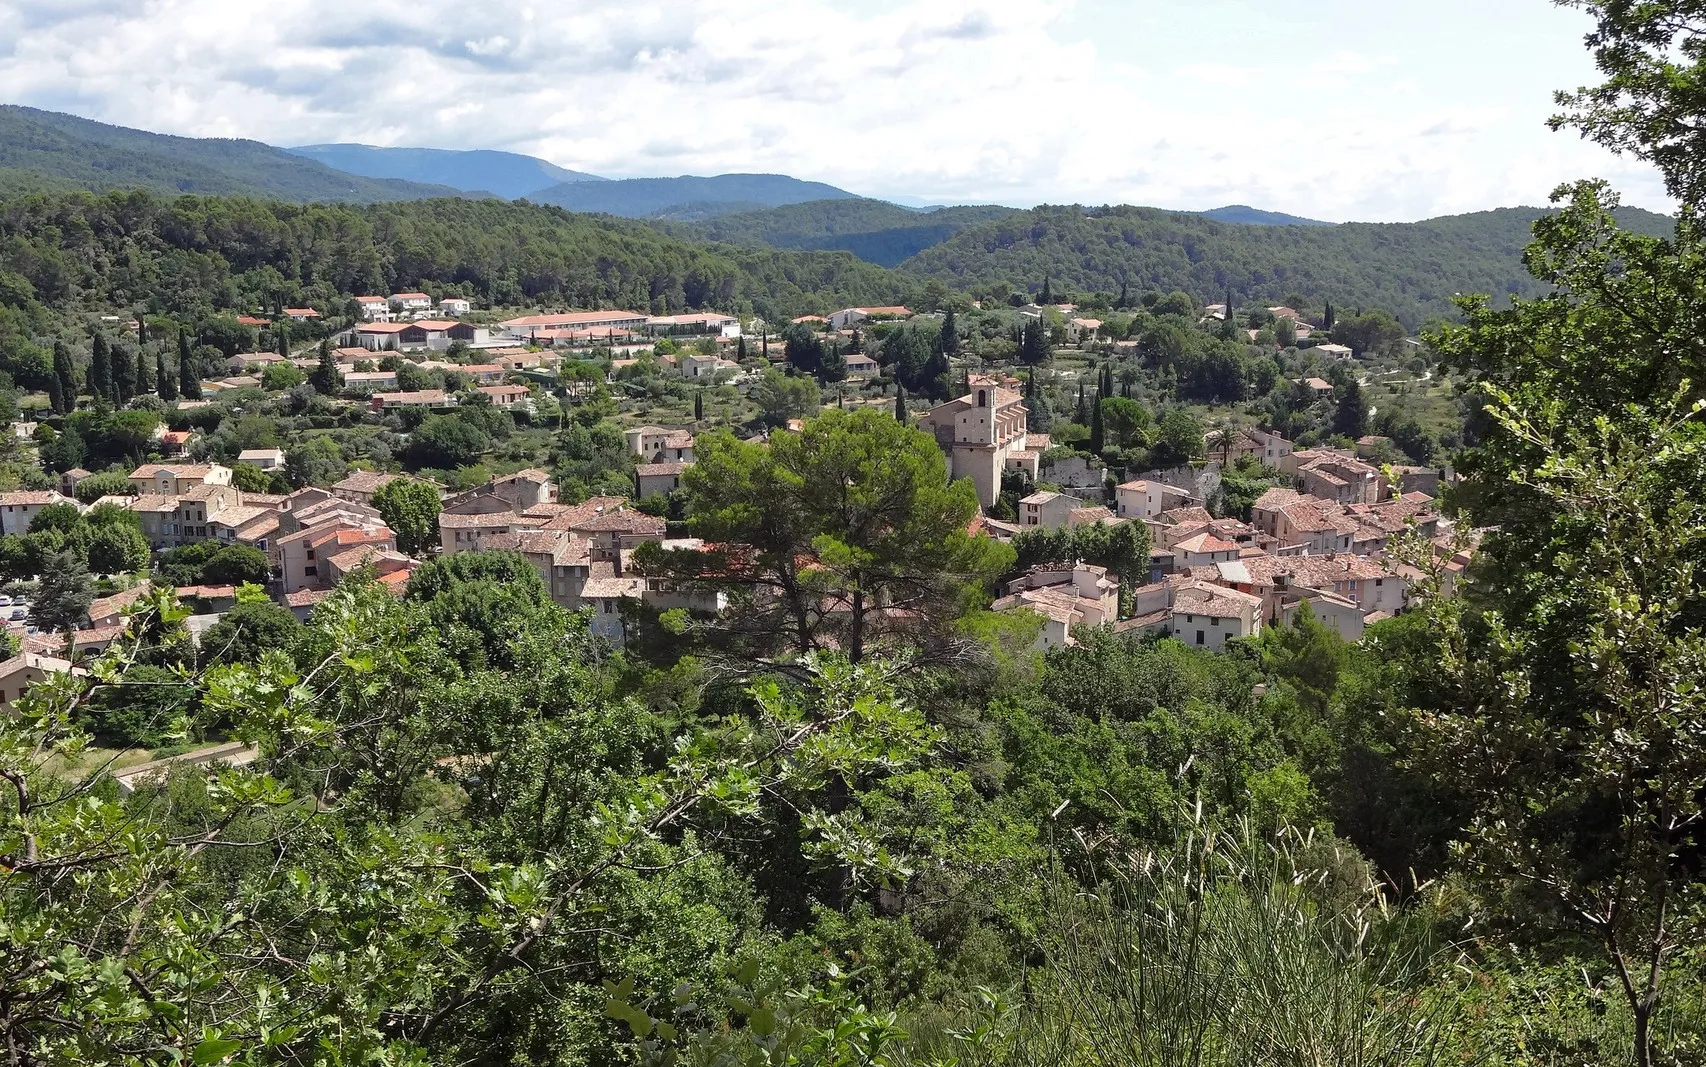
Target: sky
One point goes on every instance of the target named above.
(1342, 110)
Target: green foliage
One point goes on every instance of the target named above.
(410, 508)
(875, 231)
(782, 398)
(316, 461)
(281, 376)
(851, 533)
(210, 563)
(117, 548)
(249, 630)
(63, 597)
(444, 441)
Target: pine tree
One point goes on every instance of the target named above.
(699, 406)
(65, 374)
(1046, 297)
(101, 366)
(189, 382)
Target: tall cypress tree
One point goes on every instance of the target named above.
(101, 366)
(1096, 431)
(699, 406)
(164, 384)
(1125, 296)
(327, 380)
(124, 374)
(900, 403)
(144, 371)
(1082, 415)
(281, 330)
(1327, 319)
(189, 381)
(948, 339)
(65, 375)
(1046, 297)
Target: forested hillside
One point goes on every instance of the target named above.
(1410, 269)
(505, 174)
(44, 150)
(874, 230)
(192, 256)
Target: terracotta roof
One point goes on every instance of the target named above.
(1214, 602)
(366, 481)
(304, 598)
(632, 522)
(31, 498)
(660, 470)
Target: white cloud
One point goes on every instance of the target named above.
(1017, 101)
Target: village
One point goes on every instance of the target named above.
(1320, 536)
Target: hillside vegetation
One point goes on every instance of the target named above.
(1409, 269)
(202, 255)
(44, 150)
(874, 230)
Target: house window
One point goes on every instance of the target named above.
(1200, 638)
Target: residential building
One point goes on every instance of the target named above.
(505, 396)
(1148, 499)
(374, 308)
(848, 318)
(454, 306)
(1066, 598)
(266, 459)
(303, 556)
(1224, 448)
(860, 366)
(26, 669)
(658, 479)
(18, 509)
(69, 480)
(1208, 616)
(530, 327)
(423, 398)
(411, 303)
(369, 381)
(301, 314)
(361, 485)
(174, 479)
(1046, 510)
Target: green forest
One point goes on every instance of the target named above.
(192, 256)
(874, 230)
(1412, 270)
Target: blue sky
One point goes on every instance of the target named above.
(1327, 108)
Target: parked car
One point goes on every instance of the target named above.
(20, 614)
(5, 601)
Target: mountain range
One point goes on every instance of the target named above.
(1411, 269)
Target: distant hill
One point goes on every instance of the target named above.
(45, 150)
(1244, 215)
(1410, 269)
(505, 174)
(638, 198)
(874, 230)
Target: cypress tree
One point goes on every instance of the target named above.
(327, 380)
(164, 384)
(699, 406)
(101, 366)
(141, 327)
(1082, 415)
(1327, 319)
(65, 374)
(281, 330)
(1125, 296)
(1046, 297)
(948, 340)
(740, 349)
(189, 382)
(767, 344)
(1096, 431)
(55, 394)
(144, 375)
(900, 403)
